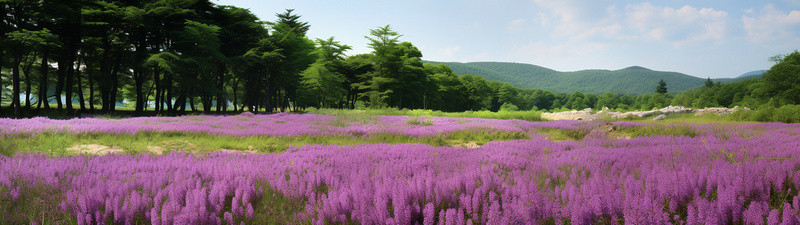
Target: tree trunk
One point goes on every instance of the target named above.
(207, 100)
(15, 104)
(180, 103)
(112, 101)
(60, 82)
(69, 86)
(28, 82)
(43, 82)
(80, 86)
(191, 104)
(269, 93)
(91, 91)
(168, 87)
(138, 78)
(235, 97)
(157, 83)
(221, 88)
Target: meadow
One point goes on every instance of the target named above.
(400, 167)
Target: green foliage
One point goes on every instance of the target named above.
(779, 86)
(322, 83)
(508, 106)
(631, 81)
(783, 79)
(398, 72)
(787, 114)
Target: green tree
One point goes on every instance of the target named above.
(322, 84)
(783, 79)
(240, 31)
(446, 89)
(289, 35)
(479, 95)
(384, 43)
(357, 71)
(662, 87)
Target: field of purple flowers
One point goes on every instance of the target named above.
(720, 174)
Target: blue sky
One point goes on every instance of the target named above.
(709, 38)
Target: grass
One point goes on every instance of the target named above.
(692, 119)
(55, 144)
(35, 204)
(556, 134)
(276, 208)
(676, 129)
(422, 121)
(365, 113)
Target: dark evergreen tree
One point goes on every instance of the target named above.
(662, 87)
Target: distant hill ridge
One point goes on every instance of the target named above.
(630, 80)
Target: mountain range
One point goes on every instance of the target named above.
(631, 80)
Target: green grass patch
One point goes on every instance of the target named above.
(676, 129)
(421, 121)
(275, 208)
(55, 144)
(556, 134)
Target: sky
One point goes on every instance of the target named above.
(706, 38)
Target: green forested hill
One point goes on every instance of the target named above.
(631, 80)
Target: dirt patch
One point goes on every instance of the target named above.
(238, 151)
(95, 149)
(157, 150)
(470, 144)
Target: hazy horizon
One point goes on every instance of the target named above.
(699, 38)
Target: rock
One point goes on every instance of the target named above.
(660, 117)
(717, 110)
(586, 114)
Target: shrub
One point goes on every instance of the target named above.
(787, 114)
(509, 107)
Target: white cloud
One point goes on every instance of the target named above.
(574, 19)
(516, 24)
(451, 51)
(681, 26)
(773, 25)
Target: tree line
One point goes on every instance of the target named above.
(167, 55)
